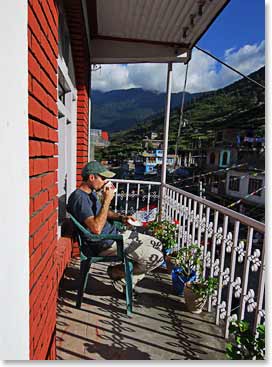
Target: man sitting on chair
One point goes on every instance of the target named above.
(94, 214)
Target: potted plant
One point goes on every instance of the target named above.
(188, 261)
(197, 292)
(245, 344)
(166, 232)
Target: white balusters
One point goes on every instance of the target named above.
(199, 225)
(206, 240)
(232, 272)
(176, 199)
(205, 222)
(180, 217)
(138, 197)
(194, 221)
(148, 197)
(222, 263)
(246, 273)
(213, 253)
(259, 313)
(116, 198)
(127, 196)
(189, 220)
(184, 209)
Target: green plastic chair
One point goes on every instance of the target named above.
(86, 261)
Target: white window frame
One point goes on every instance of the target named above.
(237, 181)
(67, 132)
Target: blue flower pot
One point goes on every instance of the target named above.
(179, 280)
(165, 251)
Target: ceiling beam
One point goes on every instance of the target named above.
(106, 51)
(151, 42)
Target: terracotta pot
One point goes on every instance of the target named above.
(194, 302)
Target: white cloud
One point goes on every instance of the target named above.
(203, 75)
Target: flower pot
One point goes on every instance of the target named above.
(179, 280)
(193, 301)
(166, 252)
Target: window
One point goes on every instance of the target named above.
(253, 185)
(212, 158)
(225, 159)
(234, 183)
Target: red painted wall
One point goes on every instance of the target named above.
(49, 256)
(43, 163)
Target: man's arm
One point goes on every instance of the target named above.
(115, 216)
(119, 217)
(96, 223)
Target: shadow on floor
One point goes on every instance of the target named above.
(160, 327)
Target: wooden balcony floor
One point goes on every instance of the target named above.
(160, 328)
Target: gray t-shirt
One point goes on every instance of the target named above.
(82, 205)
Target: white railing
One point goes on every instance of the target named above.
(232, 243)
(231, 253)
(133, 195)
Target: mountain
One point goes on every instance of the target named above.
(122, 109)
(240, 105)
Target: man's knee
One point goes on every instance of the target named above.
(153, 259)
(111, 251)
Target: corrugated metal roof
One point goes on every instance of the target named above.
(169, 27)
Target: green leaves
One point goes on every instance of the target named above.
(246, 345)
(165, 232)
(204, 287)
(189, 258)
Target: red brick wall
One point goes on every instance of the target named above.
(43, 163)
(48, 256)
(80, 52)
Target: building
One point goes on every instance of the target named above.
(153, 161)
(244, 183)
(244, 152)
(99, 139)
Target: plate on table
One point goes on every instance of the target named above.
(135, 223)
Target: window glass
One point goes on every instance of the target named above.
(234, 183)
(253, 185)
(212, 158)
(225, 159)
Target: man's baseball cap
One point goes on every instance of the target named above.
(96, 168)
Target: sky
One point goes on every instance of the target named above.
(237, 37)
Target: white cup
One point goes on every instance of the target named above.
(110, 185)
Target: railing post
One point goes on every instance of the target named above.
(165, 136)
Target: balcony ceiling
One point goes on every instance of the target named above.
(129, 31)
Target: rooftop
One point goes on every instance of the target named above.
(124, 31)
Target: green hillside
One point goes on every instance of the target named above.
(119, 110)
(239, 105)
